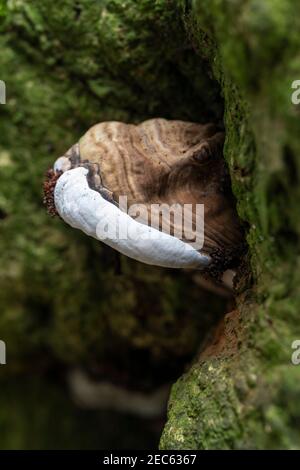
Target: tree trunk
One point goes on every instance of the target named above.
(64, 305)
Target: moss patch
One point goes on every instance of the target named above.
(237, 401)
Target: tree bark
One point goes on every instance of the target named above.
(63, 303)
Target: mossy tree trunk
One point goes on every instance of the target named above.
(243, 391)
(62, 304)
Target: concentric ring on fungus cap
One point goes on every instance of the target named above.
(156, 162)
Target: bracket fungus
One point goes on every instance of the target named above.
(155, 165)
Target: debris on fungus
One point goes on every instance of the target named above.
(48, 187)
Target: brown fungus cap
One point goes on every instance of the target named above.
(164, 162)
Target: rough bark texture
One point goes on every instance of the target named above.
(244, 391)
(61, 302)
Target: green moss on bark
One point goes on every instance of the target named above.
(61, 301)
(247, 398)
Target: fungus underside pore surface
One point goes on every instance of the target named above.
(62, 303)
